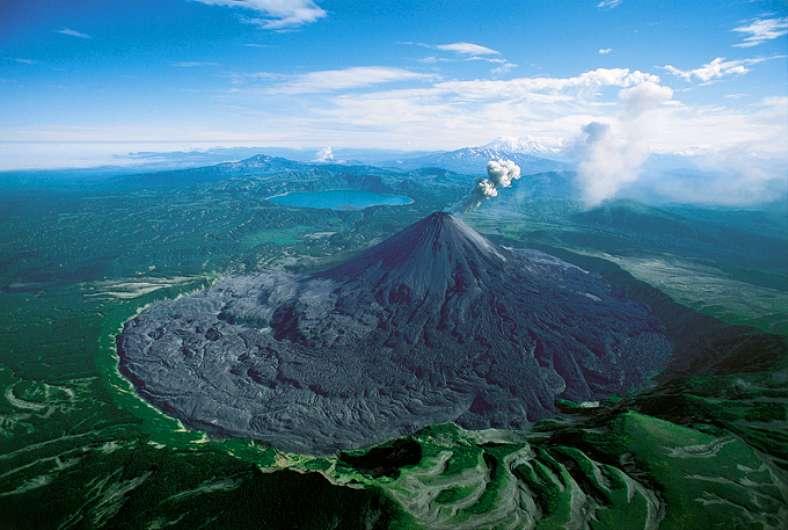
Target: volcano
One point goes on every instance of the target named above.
(434, 324)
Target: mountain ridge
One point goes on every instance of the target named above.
(473, 160)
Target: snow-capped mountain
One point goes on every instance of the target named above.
(528, 146)
(532, 157)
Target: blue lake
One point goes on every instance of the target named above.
(339, 199)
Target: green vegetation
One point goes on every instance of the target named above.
(74, 436)
(453, 494)
(79, 449)
(614, 468)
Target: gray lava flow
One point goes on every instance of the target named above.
(434, 324)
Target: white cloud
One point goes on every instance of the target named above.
(759, 129)
(468, 51)
(533, 86)
(643, 97)
(761, 30)
(551, 109)
(503, 67)
(605, 51)
(609, 4)
(74, 33)
(733, 178)
(431, 59)
(345, 79)
(276, 14)
(717, 68)
(467, 48)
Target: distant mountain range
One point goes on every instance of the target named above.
(530, 155)
(533, 155)
(664, 179)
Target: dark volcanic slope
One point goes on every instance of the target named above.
(434, 324)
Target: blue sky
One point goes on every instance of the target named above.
(681, 77)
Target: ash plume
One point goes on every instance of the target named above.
(500, 174)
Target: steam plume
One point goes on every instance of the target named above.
(500, 174)
(611, 155)
(325, 154)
